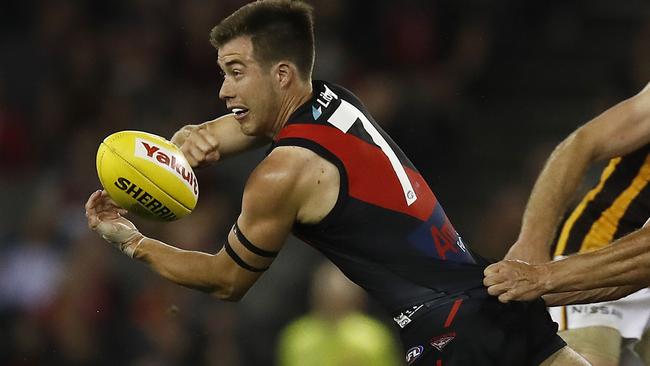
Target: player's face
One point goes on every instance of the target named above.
(248, 88)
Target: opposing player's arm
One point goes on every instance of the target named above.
(625, 262)
(589, 296)
(214, 140)
(272, 199)
(618, 131)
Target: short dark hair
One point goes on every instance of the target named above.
(279, 29)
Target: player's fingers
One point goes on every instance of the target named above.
(192, 154)
(200, 142)
(190, 149)
(190, 160)
(209, 138)
(182, 135)
(213, 156)
(91, 211)
(497, 289)
(103, 203)
(91, 204)
(93, 221)
(92, 199)
(107, 209)
(492, 279)
(518, 294)
(108, 215)
(492, 269)
(112, 204)
(505, 297)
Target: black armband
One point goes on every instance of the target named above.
(250, 246)
(240, 261)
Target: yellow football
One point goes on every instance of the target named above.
(147, 175)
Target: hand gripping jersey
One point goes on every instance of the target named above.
(387, 231)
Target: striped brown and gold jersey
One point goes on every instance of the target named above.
(616, 206)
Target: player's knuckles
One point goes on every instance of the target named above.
(492, 279)
(213, 156)
(488, 281)
(191, 160)
(91, 201)
(197, 141)
(492, 291)
(209, 141)
(195, 153)
(495, 290)
(491, 269)
(185, 149)
(93, 221)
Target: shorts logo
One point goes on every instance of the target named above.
(441, 341)
(404, 318)
(595, 309)
(413, 354)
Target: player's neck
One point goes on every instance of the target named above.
(290, 103)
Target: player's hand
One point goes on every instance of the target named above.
(527, 253)
(105, 217)
(515, 280)
(181, 135)
(198, 144)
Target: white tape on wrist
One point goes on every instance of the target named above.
(130, 249)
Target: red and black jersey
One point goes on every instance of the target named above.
(387, 231)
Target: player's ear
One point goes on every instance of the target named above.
(284, 73)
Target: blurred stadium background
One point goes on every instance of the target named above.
(476, 92)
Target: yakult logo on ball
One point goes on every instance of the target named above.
(150, 151)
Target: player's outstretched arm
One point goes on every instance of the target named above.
(618, 131)
(214, 140)
(271, 202)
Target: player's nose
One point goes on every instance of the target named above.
(226, 91)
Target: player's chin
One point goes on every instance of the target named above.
(249, 128)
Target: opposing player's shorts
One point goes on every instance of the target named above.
(475, 329)
(630, 315)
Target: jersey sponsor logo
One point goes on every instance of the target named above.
(404, 318)
(595, 309)
(326, 97)
(167, 159)
(441, 341)
(413, 354)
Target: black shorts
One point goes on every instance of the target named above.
(475, 329)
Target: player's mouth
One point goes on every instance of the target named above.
(240, 113)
